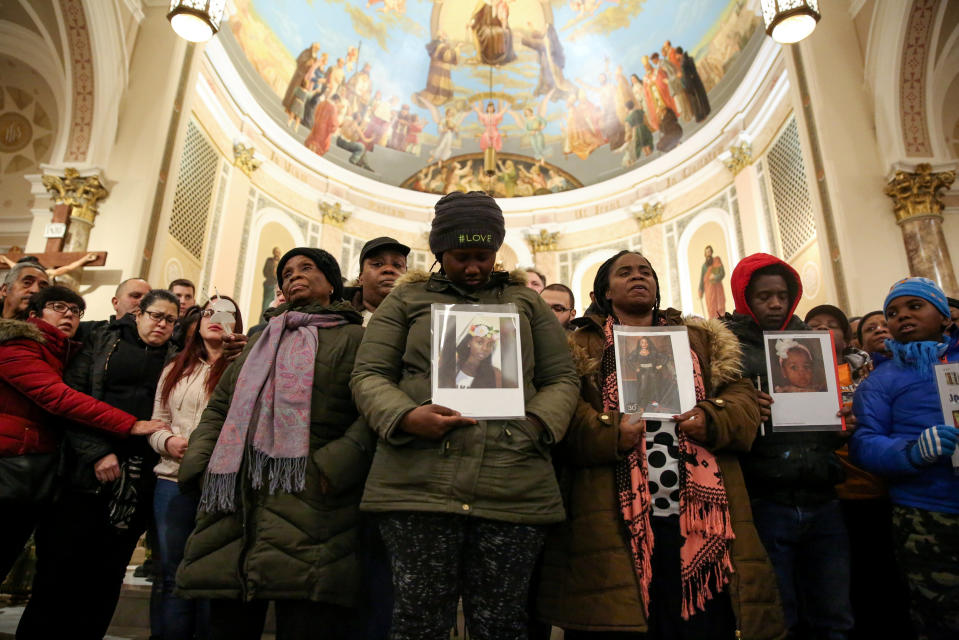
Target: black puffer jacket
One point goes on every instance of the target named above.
(117, 367)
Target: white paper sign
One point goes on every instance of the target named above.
(55, 230)
(802, 381)
(947, 379)
(476, 360)
(654, 371)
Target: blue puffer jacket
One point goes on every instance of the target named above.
(893, 406)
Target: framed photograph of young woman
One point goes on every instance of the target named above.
(654, 369)
(476, 360)
(803, 381)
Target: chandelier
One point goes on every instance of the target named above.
(196, 20)
(789, 21)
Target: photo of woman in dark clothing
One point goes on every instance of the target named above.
(655, 388)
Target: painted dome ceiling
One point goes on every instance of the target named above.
(568, 92)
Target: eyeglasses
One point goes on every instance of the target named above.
(558, 308)
(207, 313)
(159, 316)
(63, 307)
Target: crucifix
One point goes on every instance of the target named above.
(69, 230)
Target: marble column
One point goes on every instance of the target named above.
(918, 207)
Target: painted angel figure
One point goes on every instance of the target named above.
(491, 121)
(448, 126)
(534, 122)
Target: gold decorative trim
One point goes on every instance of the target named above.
(81, 67)
(740, 157)
(333, 214)
(916, 194)
(244, 159)
(543, 241)
(82, 193)
(652, 214)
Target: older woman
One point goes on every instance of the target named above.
(280, 468)
(654, 507)
(33, 395)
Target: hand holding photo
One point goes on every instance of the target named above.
(654, 371)
(803, 381)
(476, 360)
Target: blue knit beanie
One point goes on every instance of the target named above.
(921, 288)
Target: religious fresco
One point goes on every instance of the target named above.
(566, 92)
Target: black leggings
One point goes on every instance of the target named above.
(438, 557)
(295, 620)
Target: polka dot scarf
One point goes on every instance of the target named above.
(704, 521)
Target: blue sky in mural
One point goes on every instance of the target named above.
(395, 44)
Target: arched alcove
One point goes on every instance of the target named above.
(709, 227)
(271, 228)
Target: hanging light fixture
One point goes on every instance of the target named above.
(789, 21)
(196, 20)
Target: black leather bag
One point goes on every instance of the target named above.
(28, 479)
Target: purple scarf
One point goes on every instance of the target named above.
(278, 413)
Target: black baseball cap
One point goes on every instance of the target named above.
(378, 244)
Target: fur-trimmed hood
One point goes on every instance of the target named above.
(724, 351)
(20, 329)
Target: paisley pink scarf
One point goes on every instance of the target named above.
(704, 521)
(272, 394)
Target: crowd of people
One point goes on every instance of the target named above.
(307, 465)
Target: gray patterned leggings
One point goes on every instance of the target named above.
(438, 557)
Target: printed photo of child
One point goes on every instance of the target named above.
(801, 368)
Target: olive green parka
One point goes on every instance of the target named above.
(588, 581)
(496, 469)
(290, 546)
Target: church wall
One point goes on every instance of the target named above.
(28, 127)
(869, 243)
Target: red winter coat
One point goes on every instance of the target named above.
(33, 395)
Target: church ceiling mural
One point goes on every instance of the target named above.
(567, 92)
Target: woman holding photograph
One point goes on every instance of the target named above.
(472, 367)
(463, 505)
(645, 498)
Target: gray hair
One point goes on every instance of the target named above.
(16, 269)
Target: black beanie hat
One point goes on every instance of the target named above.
(835, 312)
(467, 221)
(323, 261)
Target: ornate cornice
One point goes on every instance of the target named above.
(82, 193)
(916, 194)
(244, 158)
(333, 214)
(543, 241)
(740, 157)
(650, 215)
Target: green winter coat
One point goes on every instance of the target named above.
(299, 546)
(587, 580)
(497, 469)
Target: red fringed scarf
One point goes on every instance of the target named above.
(704, 521)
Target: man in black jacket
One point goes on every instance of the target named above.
(791, 477)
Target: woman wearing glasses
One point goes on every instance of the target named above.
(32, 394)
(182, 394)
(107, 504)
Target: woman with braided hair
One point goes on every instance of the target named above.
(645, 498)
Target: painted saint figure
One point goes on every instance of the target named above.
(306, 63)
(698, 99)
(269, 278)
(549, 50)
(491, 33)
(439, 85)
(711, 285)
